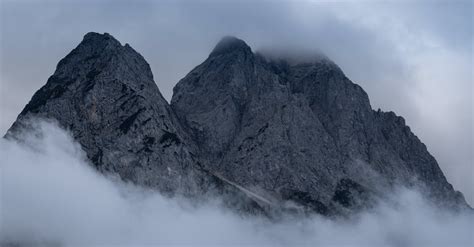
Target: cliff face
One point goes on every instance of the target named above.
(264, 131)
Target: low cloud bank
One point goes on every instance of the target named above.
(51, 195)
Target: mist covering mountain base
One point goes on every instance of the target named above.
(51, 195)
(246, 138)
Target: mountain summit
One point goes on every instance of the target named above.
(230, 44)
(301, 132)
(105, 94)
(263, 132)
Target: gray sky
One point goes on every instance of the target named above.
(414, 58)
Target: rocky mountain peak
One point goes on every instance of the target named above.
(97, 38)
(99, 60)
(105, 94)
(93, 46)
(298, 128)
(230, 44)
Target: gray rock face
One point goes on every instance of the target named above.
(269, 134)
(299, 131)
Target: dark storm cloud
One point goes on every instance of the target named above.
(414, 58)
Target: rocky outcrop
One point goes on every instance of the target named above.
(269, 134)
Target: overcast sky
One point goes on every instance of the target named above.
(413, 58)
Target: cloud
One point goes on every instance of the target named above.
(412, 57)
(52, 196)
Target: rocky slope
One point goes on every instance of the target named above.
(266, 132)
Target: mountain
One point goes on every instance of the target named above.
(267, 133)
(105, 94)
(299, 130)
